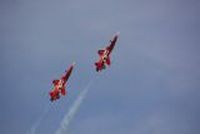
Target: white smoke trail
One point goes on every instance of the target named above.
(38, 122)
(72, 111)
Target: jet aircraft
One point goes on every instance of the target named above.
(60, 85)
(104, 54)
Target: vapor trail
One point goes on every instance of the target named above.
(72, 111)
(38, 122)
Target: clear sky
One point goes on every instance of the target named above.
(152, 86)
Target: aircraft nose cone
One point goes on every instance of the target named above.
(74, 63)
(117, 33)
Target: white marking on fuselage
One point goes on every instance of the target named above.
(60, 84)
(105, 56)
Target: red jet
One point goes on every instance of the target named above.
(105, 54)
(59, 85)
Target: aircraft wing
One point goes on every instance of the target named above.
(55, 82)
(100, 52)
(54, 94)
(63, 91)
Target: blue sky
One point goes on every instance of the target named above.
(152, 86)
